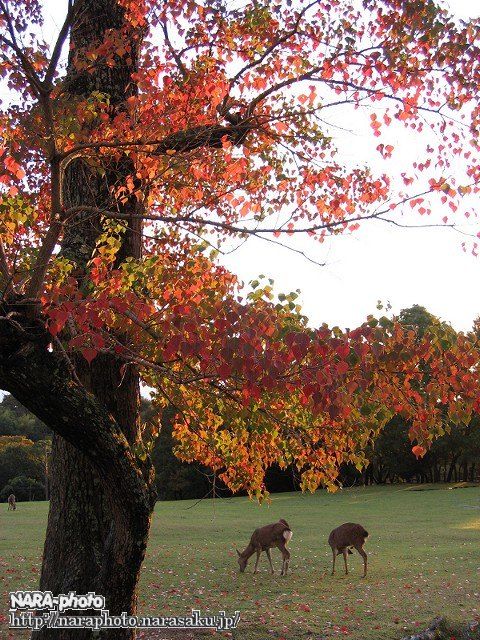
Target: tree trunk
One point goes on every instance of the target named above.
(40, 380)
(77, 526)
(472, 472)
(47, 473)
(451, 469)
(88, 548)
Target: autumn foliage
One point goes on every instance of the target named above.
(229, 131)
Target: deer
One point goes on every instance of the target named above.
(264, 538)
(343, 538)
(12, 504)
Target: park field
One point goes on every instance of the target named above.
(424, 560)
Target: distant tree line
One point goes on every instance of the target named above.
(24, 453)
(453, 457)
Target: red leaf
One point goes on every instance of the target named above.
(89, 354)
(342, 367)
(418, 451)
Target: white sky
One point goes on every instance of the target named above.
(378, 262)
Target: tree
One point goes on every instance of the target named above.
(18, 456)
(420, 319)
(172, 131)
(16, 420)
(24, 488)
(452, 456)
(455, 446)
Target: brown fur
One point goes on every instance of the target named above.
(263, 539)
(343, 538)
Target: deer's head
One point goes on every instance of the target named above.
(242, 562)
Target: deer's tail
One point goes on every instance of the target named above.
(287, 534)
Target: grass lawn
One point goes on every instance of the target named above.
(424, 561)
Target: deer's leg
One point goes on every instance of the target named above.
(334, 551)
(345, 554)
(279, 546)
(286, 558)
(270, 560)
(361, 551)
(256, 561)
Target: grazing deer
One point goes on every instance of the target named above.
(263, 539)
(343, 538)
(12, 504)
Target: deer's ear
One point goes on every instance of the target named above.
(238, 552)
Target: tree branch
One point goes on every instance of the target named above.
(57, 50)
(233, 228)
(40, 379)
(281, 40)
(180, 141)
(51, 238)
(176, 56)
(35, 82)
(4, 270)
(205, 136)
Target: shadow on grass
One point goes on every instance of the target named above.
(442, 629)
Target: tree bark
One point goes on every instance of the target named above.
(87, 546)
(40, 380)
